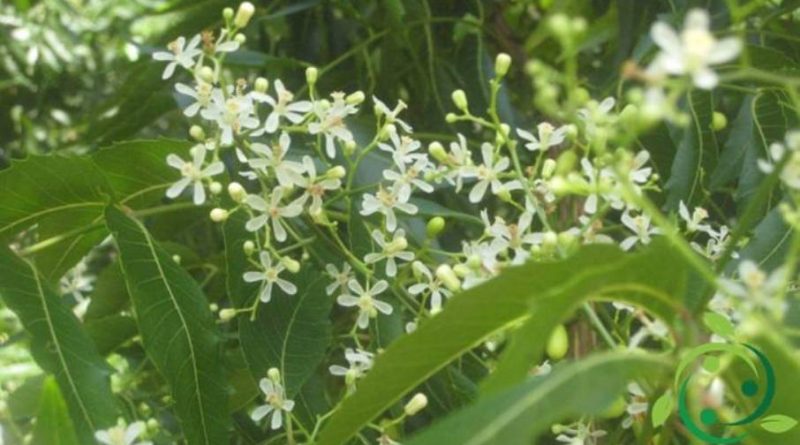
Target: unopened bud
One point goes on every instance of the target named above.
(261, 85)
(501, 64)
(249, 247)
(437, 151)
(237, 192)
(548, 168)
(718, 121)
(448, 277)
(227, 13)
(336, 172)
(474, 261)
(291, 264)
(240, 38)
(215, 188)
(462, 270)
(435, 226)
(219, 215)
(350, 147)
(176, 258)
(244, 14)
(152, 424)
(274, 375)
(206, 74)
(416, 404)
(355, 98)
(549, 240)
(227, 314)
(311, 75)
(197, 133)
(460, 100)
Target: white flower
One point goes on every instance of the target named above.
(580, 434)
(288, 173)
(790, 174)
(331, 122)
(694, 221)
(391, 115)
(487, 173)
(275, 396)
(636, 407)
(122, 435)
(340, 278)
(358, 363)
(368, 306)
(272, 211)
(408, 176)
(638, 173)
(315, 187)
(650, 329)
(385, 201)
(756, 289)
(179, 54)
(77, 282)
(231, 114)
(432, 285)
(395, 248)
(193, 173)
(514, 236)
(201, 95)
(282, 107)
(694, 50)
(403, 149)
(548, 137)
(640, 226)
(269, 276)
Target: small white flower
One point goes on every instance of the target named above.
(288, 173)
(790, 174)
(275, 396)
(409, 176)
(694, 50)
(179, 54)
(269, 276)
(77, 282)
(694, 222)
(391, 250)
(488, 173)
(122, 435)
(384, 201)
(358, 363)
(272, 211)
(637, 405)
(756, 289)
(391, 115)
(580, 434)
(315, 187)
(640, 226)
(364, 299)
(340, 278)
(432, 285)
(403, 149)
(232, 114)
(331, 122)
(193, 173)
(201, 95)
(282, 107)
(548, 137)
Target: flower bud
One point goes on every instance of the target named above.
(240, 38)
(227, 13)
(291, 264)
(566, 162)
(416, 404)
(460, 100)
(558, 343)
(336, 172)
(274, 375)
(450, 118)
(311, 75)
(435, 226)
(350, 377)
(355, 98)
(501, 64)
(244, 14)
(219, 215)
(176, 258)
(448, 277)
(206, 74)
(397, 245)
(261, 85)
(350, 147)
(249, 247)
(197, 133)
(548, 168)
(718, 121)
(437, 151)
(549, 240)
(227, 314)
(474, 261)
(215, 188)
(462, 270)
(237, 192)
(504, 194)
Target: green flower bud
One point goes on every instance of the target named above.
(718, 121)
(206, 74)
(244, 14)
(249, 247)
(566, 162)
(355, 98)
(437, 151)
(501, 64)
(274, 375)
(336, 172)
(227, 13)
(451, 118)
(548, 168)
(474, 262)
(215, 188)
(261, 85)
(435, 226)
(291, 264)
(176, 258)
(462, 270)
(558, 343)
(460, 100)
(237, 192)
(416, 404)
(311, 75)
(218, 215)
(197, 133)
(448, 277)
(227, 314)
(240, 38)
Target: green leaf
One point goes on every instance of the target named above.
(111, 332)
(53, 426)
(718, 324)
(769, 243)
(60, 345)
(778, 423)
(516, 415)
(476, 313)
(291, 332)
(662, 409)
(109, 295)
(177, 329)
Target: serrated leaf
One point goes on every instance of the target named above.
(53, 425)
(516, 415)
(60, 345)
(662, 409)
(718, 324)
(177, 328)
(474, 314)
(778, 423)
